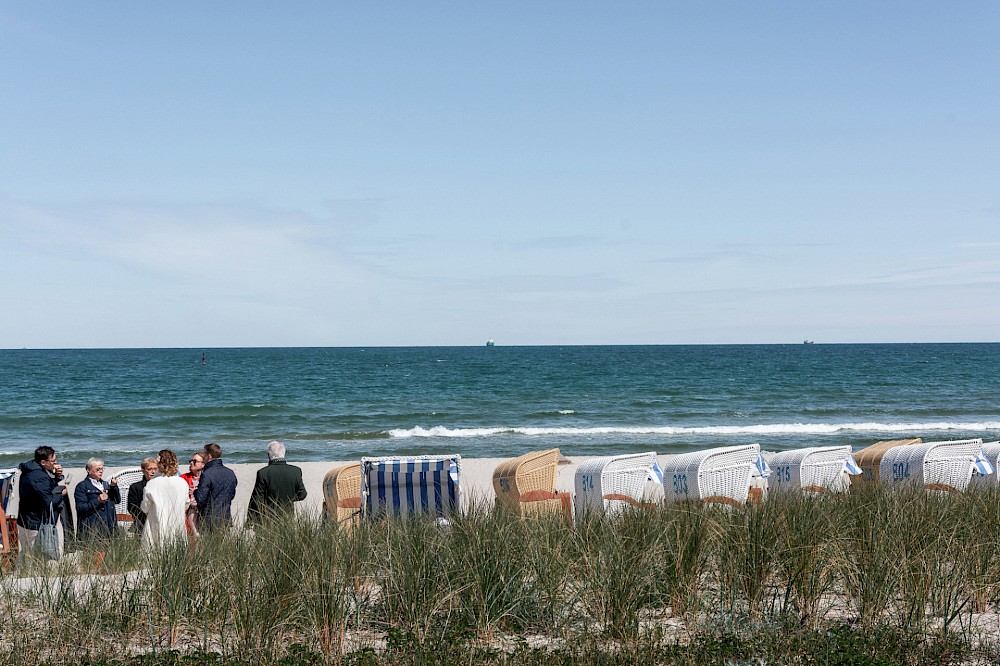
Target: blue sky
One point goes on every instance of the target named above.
(230, 174)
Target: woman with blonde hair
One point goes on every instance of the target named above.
(165, 500)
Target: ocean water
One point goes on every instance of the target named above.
(342, 403)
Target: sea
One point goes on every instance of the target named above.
(342, 403)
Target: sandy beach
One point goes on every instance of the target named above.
(476, 481)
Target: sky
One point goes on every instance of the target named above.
(438, 173)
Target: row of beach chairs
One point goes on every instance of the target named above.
(402, 486)
(729, 475)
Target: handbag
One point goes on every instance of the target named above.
(47, 539)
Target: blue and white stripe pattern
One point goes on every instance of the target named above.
(982, 465)
(762, 467)
(851, 466)
(656, 473)
(421, 485)
(6, 486)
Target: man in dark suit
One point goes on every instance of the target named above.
(215, 492)
(136, 490)
(278, 486)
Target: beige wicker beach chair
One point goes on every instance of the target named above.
(527, 485)
(944, 466)
(8, 541)
(870, 458)
(342, 494)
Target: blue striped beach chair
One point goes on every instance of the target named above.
(409, 486)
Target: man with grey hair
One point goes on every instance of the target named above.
(277, 488)
(95, 504)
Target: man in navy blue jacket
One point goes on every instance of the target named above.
(95, 499)
(215, 492)
(40, 498)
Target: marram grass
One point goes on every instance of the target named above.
(901, 577)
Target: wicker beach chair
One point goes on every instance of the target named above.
(527, 485)
(8, 542)
(609, 484)
(946, 466)
(823, 469)
(720, 475)
(125, 478)
(869, 459)
(991, 452)
(402, 486)
(8, 528)
(342, 494)
(7, 480)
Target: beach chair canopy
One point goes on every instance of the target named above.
(816, 469)
(530, 473)
(342, 492)
(610, 483)
(934, 465)
(7, 477)
(124, 479)
(716, 475)
(420, 485)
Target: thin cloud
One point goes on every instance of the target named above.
(250, 249)
(557, 243)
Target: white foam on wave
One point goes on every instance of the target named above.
(567, 411)
(763, 429)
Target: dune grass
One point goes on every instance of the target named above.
(901, 576)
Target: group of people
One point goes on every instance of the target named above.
(165, 507)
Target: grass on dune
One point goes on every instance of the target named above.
(901, 577)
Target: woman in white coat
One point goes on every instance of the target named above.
(165, 502)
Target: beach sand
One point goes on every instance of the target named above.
(476, 481)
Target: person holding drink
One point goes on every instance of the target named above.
(95, 499)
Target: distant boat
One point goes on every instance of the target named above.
(808, 342)
(490, 343)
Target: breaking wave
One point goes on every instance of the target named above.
(763, 429)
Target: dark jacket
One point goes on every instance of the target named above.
(214, 495)
(94, 518)
(278, 487)
(39, 497)
(135, 493)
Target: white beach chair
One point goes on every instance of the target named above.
(609, 484)
(7, 479)
(125, 478)
(946, 466)
(406, 486)
(824, 469)
(989, 475)
(717, 475)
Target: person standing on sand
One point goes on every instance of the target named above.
(136, 491)
(164, 501)
(95, 504)
(192, 476)
(40, 500)
(278, 486)
(216, 491)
